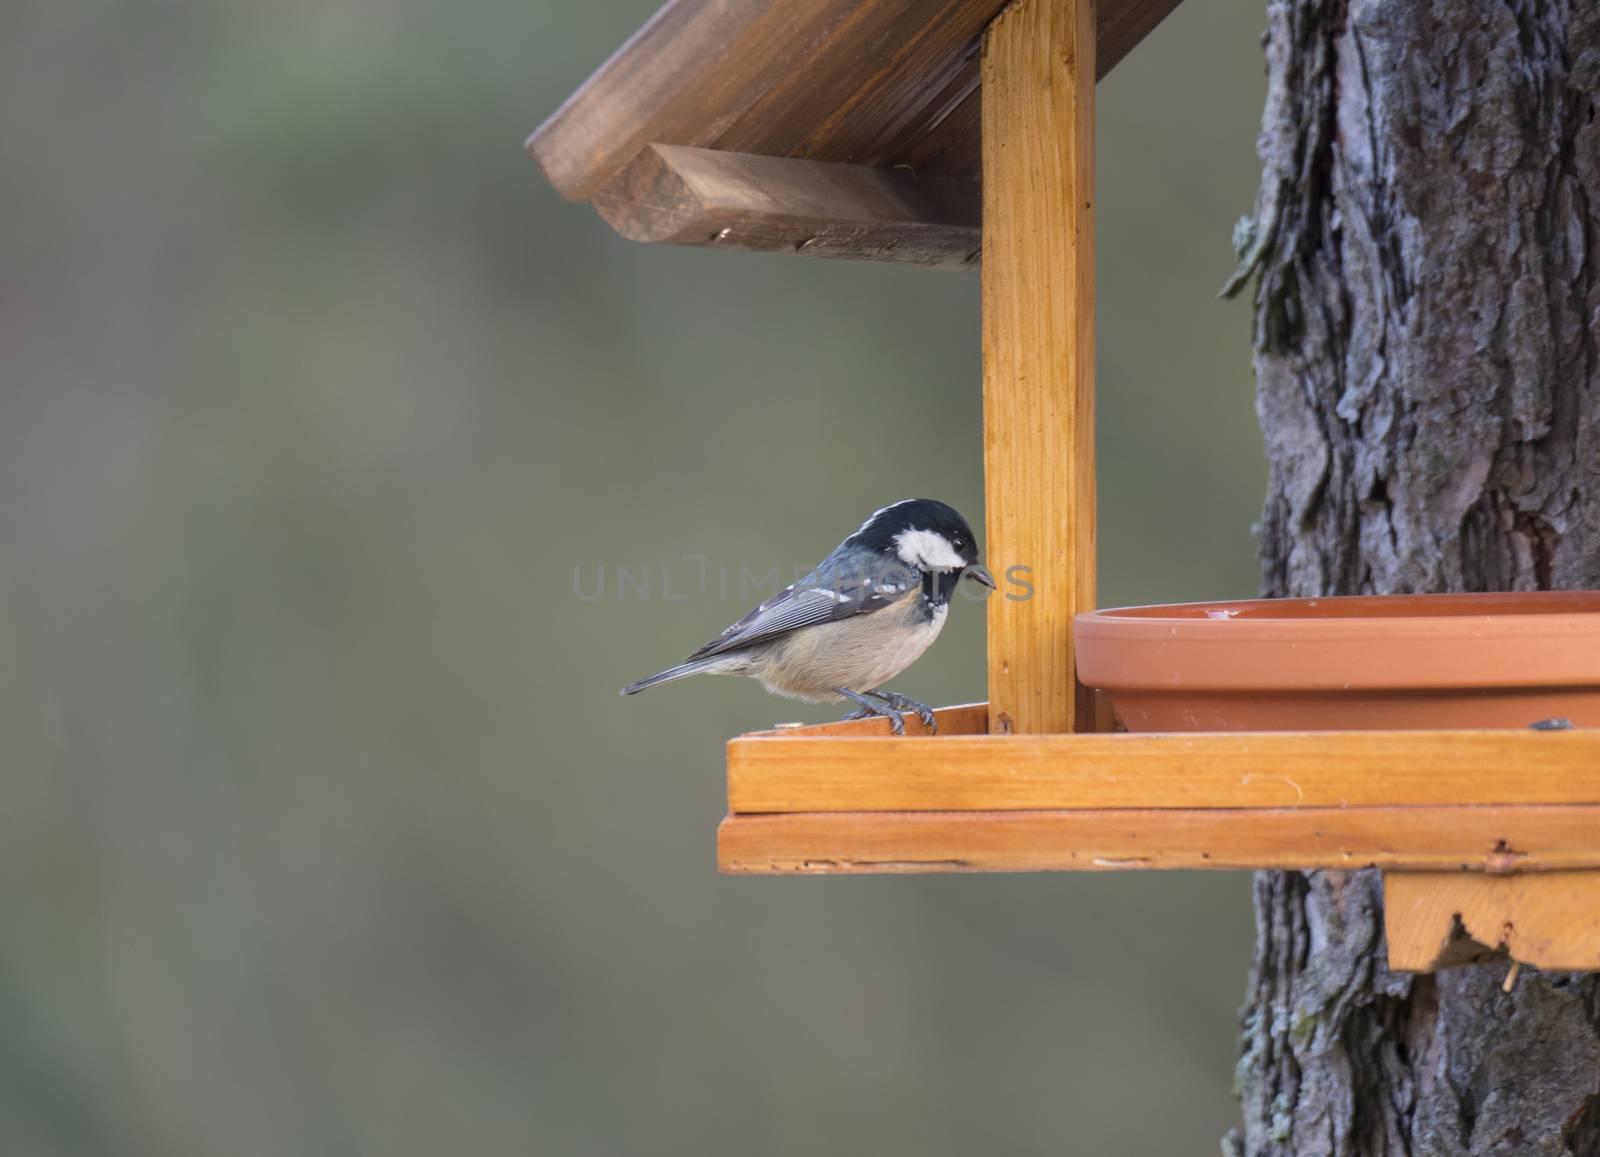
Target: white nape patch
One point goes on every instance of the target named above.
(927, 550)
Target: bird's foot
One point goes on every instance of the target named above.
(905, 703)
(869, 708)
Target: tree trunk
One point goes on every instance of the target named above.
(1427, 354)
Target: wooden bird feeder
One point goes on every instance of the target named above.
(959, 134)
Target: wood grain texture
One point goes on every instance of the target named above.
(955, 147)
(775, 773)
(1478, 839)
(1038, 355)
(871, 85)
(1550, 920)
(880, 82)
(762, 76)
(686, 196)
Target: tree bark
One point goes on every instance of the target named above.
(1427, 355)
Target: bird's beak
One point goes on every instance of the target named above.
(981, 574)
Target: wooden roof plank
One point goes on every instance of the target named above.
(839, 80)
(691, 71)
(883, 129)
(869, 80)
(952, 144)
(1455, 839)
(685, 196)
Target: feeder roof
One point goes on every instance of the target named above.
(887, 87)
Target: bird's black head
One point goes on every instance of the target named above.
(925, 534)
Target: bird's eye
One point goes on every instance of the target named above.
(959, 543)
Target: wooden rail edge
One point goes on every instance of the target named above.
(832, 771)
(1494, 840)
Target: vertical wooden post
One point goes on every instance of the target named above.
(1038, 355)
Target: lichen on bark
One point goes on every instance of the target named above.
(1426, 260)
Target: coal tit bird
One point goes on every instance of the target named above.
(867, 612)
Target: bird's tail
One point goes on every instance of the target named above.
(682, 670)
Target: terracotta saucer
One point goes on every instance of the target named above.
(1386, 661)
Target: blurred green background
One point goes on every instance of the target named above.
(322, 828)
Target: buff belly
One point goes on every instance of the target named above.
(859, 653)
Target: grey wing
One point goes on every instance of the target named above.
(828, 594)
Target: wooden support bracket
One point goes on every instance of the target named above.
(1547, 919)
(685, 196)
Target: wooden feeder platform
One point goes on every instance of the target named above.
(959, 134)
(845, 798)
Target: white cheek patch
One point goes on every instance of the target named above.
(927, 550)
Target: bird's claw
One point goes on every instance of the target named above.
(889, 704)
(905, 703)
(869, 709)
